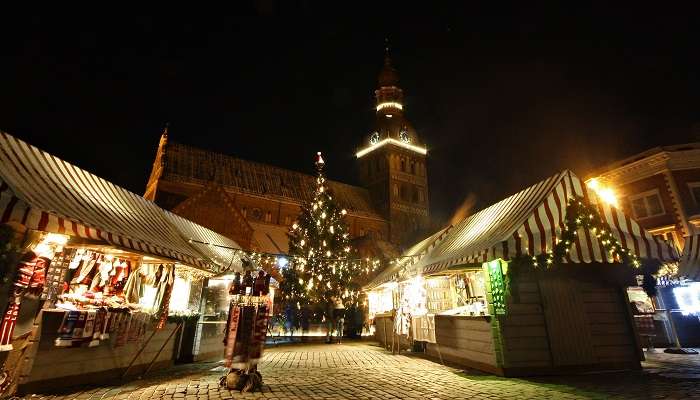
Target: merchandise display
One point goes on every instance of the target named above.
(246, 328)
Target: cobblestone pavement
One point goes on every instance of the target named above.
(364, 371)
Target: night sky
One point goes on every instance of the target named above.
(503, 98)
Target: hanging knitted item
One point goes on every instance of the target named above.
(123, 330)
(65, 331)
(22, 281)
(9, 321)
(89, 329)
(234, 316)
(258, 341)
(107, 319)
(79, 328)
(243, 336)
(165, 301)
(84, 275)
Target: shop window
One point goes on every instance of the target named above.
(647, 204)
(256, 214)
(695, 191)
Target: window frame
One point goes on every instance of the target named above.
(643, 196)
(691, 186)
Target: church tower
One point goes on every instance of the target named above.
(392, 162)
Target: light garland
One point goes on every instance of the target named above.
(580, 215)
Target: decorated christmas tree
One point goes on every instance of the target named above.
(322, 269)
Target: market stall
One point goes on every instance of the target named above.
(102, 273)
(535, 284)
(386, 297)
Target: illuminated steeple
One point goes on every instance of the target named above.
(392, 161)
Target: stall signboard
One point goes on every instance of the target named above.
(498, 286)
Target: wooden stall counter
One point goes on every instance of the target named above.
(51, 367)
(465, 340)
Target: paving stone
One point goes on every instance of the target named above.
(363, 371)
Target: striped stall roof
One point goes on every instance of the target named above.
(689, 266)
(409, 257)
(531, 221)
(48, 194)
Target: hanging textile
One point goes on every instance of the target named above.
(167, 289)
(29, 279)
(234, 315)
(259, 333)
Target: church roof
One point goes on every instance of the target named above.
(183, 163)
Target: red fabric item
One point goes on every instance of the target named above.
(31, 274)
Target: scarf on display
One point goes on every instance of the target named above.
(240, 357)
(166, 288)
(65, 332)
(260, 331)
(122, 329)
(29, 279)
(234, 316)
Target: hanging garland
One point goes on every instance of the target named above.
(580, 215)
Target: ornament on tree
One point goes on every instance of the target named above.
(321, 267)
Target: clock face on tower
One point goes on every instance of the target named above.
(403, 135)
(374, 139)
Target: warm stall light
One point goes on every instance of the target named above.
(179, 299)
(51, 243)
(56, 238)
(605, 193)
(388, 104)
(408, 146)
(149, 297)
(416, 295)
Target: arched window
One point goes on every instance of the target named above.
(268, 217)
(403, 165)
(415, 194)
(413, 167)
(396, 190)
(244, 211)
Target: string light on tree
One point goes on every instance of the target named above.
(321, 266)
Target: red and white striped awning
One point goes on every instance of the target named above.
(45, 193)
(689, 266)
(529, 222)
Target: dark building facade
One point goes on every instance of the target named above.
(255, 203)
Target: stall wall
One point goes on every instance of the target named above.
(383, 328)
(50, 367)
(464, 340)
(559, 325)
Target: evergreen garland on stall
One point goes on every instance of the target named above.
(580, 215)
(321, 268)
